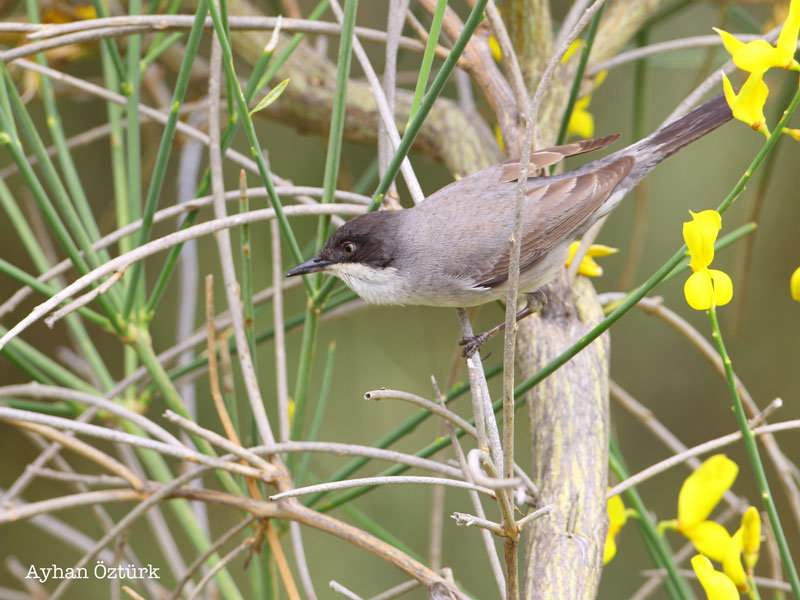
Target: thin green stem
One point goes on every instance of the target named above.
(305, 361)
(164, 151)
(36, 189)
(54, 124)
(48, 366)
(379, 531)
(140, 341)
(82, 338)
(751, 446)
(319, 413)
(134, 152)
(334, 153)
(330, 177)
(254, 85)
(255, 146)
(158, 47)
(402, 430)
(657, 545)
(471, 24)
(578, 78)
(266, 335)
(160, 472)
(58, 409)
(109, 47)
(427, 58)
(73, 220)
(48, 290)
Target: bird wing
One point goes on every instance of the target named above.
(553, 210)
(555, 154)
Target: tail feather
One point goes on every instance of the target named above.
(702, 120)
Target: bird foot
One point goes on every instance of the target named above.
(473, 343)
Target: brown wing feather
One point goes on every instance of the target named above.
(554, 154)
(554, 211)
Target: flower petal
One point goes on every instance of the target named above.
(787, 40)
(794, 284)
(756, 57)
(751, 536)
(581, 121)
(732, 563)
(699, 291)
(700, 234)
(573, 48)
(716, 585)
(704, 488)
(748, 105)
(722, 287)
(710, 538)
(610, 548)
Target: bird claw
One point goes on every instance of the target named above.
(472, 344)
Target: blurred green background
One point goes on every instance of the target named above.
(401, 348)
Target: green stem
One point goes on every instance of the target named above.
(578, 78)
(334, 152)
(319, 413)
(164, 151)
(255, 146)
(48, 290)
(140, 340)
(160, 471)
(254, 85)
(305, 361)
(755, 459)
(134, 147)
(660, 551)
(427, 57)
(474, 19)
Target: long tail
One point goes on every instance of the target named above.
(669, 139)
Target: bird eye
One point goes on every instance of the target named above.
(349, 247)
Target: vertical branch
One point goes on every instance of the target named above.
(225, 254)
(281, 379)
(569, 432)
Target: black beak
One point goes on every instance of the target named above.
(310, 266)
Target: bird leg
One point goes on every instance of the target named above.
(535, 301)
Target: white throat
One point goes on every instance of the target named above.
(376, 286)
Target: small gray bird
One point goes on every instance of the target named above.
(452, 249)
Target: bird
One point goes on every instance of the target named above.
(452, 249)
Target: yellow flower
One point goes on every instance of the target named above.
(700, 234)
(751, 537)
(748, 105)
(616, 519)
(744, 543)
(499, 137)
(716, 585)
(709, 538)
(732, 564)
(699, 494)
(758, 56)
(581, 121)
(706, 287)
(573, 48)
(794, 284)
(704, 488)
(494, 46)
(588, 266)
